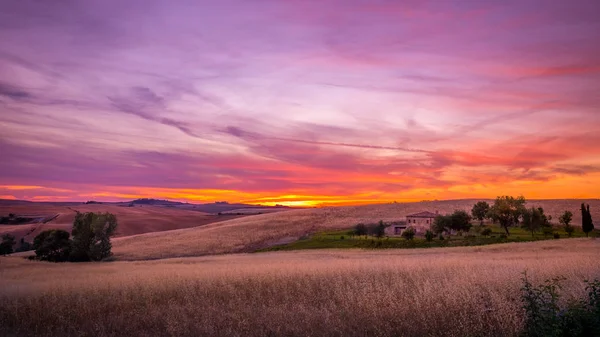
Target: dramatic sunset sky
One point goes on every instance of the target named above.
(299, 102)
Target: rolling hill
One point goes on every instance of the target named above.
(132, 220)
(249, 233)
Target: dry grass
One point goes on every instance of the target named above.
(467, 291)
(132, 220)
(249, 233)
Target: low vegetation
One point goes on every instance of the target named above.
(465, 291)
(545, 316)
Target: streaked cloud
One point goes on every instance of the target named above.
(299, 102)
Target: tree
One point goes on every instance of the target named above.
(534, 219)
(586, 220)
(360, 229)
(565, 220)
(441, 224)
(380, 229)
(460, 221)
(480, 211)
(52, 245)
(91, 236)
(6, 247)
(507, 211)
(409, 233)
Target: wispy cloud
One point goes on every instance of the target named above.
(299, 100)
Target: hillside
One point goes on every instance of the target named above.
(132, 220)
(249, 233)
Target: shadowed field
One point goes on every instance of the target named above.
(132, 220)
(466, 291)
(260, 231)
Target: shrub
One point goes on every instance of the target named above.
(429, 235)
(545, 317)
(360, 229)
(569, 229)
(409, 233)
(556, 236)
(52, 245)
(342, 237)
(441, 237)
(25, 246)
(503, 236)
(486, 231)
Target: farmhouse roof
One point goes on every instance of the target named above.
(423, 215)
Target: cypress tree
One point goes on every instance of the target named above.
(586, 220)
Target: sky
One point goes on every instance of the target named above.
(299, 102)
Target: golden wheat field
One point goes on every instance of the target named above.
(465, 291)
(257, 231)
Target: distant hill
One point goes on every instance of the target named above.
(213, 208)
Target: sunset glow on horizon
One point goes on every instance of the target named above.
(299, 103)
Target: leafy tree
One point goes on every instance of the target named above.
(409, 233)
(52, 245)
(360, 229)
(534, 220)
(480, 211)
(441, 224)
(91, 236)
(460, 221)
(565, 220)
(6, 247)
(507, 211)
(586, 220)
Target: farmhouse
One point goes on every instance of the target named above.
(421, 222)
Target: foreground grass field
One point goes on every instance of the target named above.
(261, 231)
(466, 291)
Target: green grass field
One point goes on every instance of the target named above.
(346, 239)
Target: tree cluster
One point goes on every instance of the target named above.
(459, 221)
(374, 229)
(90, 239)
(534, 220)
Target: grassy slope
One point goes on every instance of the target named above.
(418, 292)
(346, 239)
(259, 231)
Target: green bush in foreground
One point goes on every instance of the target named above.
(546, 318)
